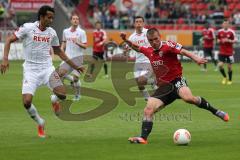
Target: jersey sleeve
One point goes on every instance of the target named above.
(234, 37)
(22, 31)
(174, 47)
(55, 40)
(83, 37)
(145, 50)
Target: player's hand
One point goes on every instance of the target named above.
(81, 69)
(200, 60)
(123, 36)
(4, 66)
(99, 44)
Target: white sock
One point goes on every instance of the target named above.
(145, 94)
(77, 86)
(32, 111)
(54, 98)
(69, 77)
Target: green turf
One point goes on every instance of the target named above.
(105, 138)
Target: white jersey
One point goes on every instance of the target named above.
(141, 40)
(37, 45)
(69, 36)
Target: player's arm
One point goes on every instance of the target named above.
(196, 58)
(5, 64)
(130, 44)
(82, 45)
(63, 45)
(233, 39)
(83, 40)
(57, 50)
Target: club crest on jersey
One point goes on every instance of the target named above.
(178, 46)
(160, 53)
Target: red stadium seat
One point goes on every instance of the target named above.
(186, 27)
(193, 6)
(231, 6)
(199, 27)
(227, 13)
(161, 27)
(170, 27)
(229, 1)
(238, 6)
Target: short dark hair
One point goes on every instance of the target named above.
(98, 22)
(74, 14)
(43, 11)
(137, 17)
(152, 30)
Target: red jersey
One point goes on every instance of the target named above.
(165, 63)
(208, 38)
(98, 37)
(226, 48)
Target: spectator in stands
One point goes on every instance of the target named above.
(148, 14)
(97, 14)
(236, 18)
(116, 22)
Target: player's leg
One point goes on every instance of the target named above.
(104, 61)
(151, 80)
(230, 61)
(141, 82)
(163, 96)
(92, 65)
(186, 95)
(205, 54)
(54, 82)
(213, 58)
(153, 105)
(105, 66)
(140, 75)
(29, 86)
(229, 74)
(221, 68)
(76, 85)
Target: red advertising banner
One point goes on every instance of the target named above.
(29, 5)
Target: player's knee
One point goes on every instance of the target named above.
(148, 110)
(220, 64)
(189, 99)
(75, 79)
(61, 73)
(142, 81)
(61, 96)
(27, 103)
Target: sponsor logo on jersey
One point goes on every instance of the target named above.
(41, 39)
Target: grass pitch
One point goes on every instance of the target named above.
(105, 137)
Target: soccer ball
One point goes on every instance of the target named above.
(181, 137)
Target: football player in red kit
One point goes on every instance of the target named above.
(208, 44)
(99, 39)
(226, 38)
(172, 85)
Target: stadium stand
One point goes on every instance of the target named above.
(167, 14)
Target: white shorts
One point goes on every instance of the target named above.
(32, 79)
(143, 69)
(77, 60)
